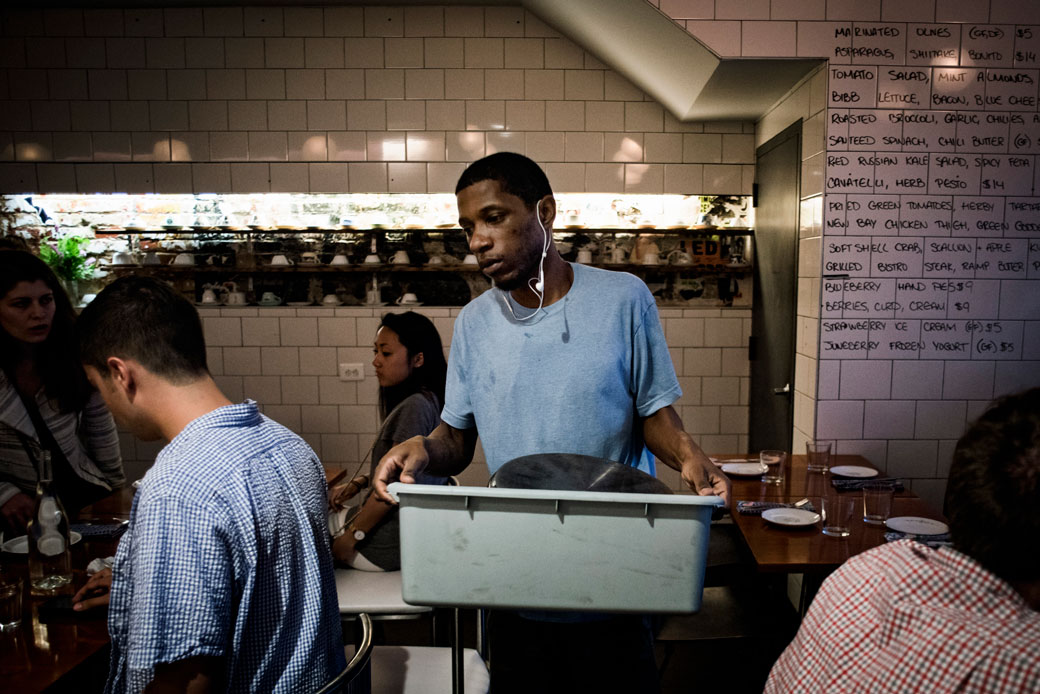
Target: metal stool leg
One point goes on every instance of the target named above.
(458, 672)
(482, 647)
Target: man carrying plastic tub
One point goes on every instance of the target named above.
(557, 358)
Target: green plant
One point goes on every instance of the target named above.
(722, 206)
(66, 258)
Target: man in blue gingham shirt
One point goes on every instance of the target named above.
(224, 577)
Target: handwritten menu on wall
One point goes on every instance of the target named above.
(931, 245)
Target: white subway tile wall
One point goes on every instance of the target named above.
(287, 360)
(929, 108)
(920, 217)
(211, 76)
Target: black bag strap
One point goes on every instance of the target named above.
(30, 453)
(47, 440)
(77, 492)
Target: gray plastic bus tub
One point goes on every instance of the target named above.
(553, 550)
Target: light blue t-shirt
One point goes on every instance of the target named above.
(574, 379)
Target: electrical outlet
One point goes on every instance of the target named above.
(351, 372)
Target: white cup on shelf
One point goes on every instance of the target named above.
(407, 299)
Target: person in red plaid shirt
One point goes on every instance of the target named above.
(907, 618)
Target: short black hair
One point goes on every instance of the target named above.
(517, 175)
(993, 494)
(143, 319)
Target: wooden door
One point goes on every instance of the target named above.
(773, 323)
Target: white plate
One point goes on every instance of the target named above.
(853, 471)
(720, 461)
(915, 525)
(410, 303)
(744, 469)
(791, 517)
(19, 545)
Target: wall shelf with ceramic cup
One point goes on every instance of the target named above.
(689, 266)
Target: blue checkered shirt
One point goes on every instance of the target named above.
(227, 555)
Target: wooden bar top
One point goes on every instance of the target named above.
(36, 655)
(115, 505)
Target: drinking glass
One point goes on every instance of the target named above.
(819, 455)
(877, 502)
(838, 511)
(10, 600)
(776, 466)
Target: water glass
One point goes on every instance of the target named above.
(819, 455)
(838, 511)
(10, 601)
(776, 466)
(877, 503)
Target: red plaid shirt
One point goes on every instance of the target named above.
(906, 618)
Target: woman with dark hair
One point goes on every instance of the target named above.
(46, 403)
(410, 367)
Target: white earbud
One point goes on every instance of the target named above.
(539, 286)
(536, 285)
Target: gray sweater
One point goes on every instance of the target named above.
(416, 415)
(88, 439)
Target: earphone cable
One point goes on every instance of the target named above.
(536, 285)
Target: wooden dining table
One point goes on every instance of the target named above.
(806, 550)
(799, 482)
(68, 652)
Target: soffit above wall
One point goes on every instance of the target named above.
(747, 89)
(666, 62)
